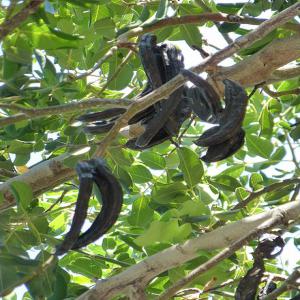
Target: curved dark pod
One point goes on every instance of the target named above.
(223, 150)
(84, 171)
(102, 115)
(164, 120)
(112, 200)
(231, 119)
(89, 172)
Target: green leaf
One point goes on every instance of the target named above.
(279, 154)
(105, 27)
(228, 27)
(234, 171)
(279, 194)
(164, 232)
(194, 208)
(274, 106)
(241, 193)
(229, 8)
(191, 34)
(259, 146)
(19, 147)
(266, 121)
(119, 78)
(169, 193)
(12, 270)
(255, 47)
(162, 10)
(42, 286)
(41, 37)
(153, 160)
(22, 192)
(140, 174)
(86, 266)
(255, 181)
(295, 133)
(121, 157)
(21, 159)
(226, 183)
(190, 165)
(61, 285)
(141, 213)
(108, 243)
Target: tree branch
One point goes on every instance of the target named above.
(40, 178)
(176, 255)
(33, 113)
(267, 189)
(271, 93)
(260, 66)
(285, 286)
(11, 24)
(212, 262)
(197, 19)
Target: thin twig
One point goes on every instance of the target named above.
(116, 73)
(104, 258)
(58, 200)
(198, 19)
(7, 173)
(296, 193)
(286, 285)
(97, 65)
(295, 161)
(11, 24)
(267, 189)
(33, 113)
(271, 93)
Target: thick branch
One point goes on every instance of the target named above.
(284, 73)
(11, 24)
(176, 255)
(260, 66)
(40, 178)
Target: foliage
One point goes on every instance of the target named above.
(170, 195)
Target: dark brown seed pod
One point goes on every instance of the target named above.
(112, 200)
(231, 119)
(225, 149)
(84, 170)
(102, 115)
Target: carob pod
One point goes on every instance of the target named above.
(172, 62)
(102, 115)
(225, 149)
(103, 120)
(205, 101)
(112, 198)
(84, 170)
(248, 285)
(231, 118)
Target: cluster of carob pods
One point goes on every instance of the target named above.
(161, 122)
